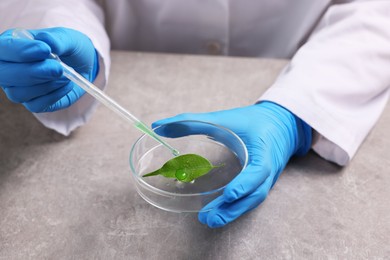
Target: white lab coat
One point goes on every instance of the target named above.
(338, 79)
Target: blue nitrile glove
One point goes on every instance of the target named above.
(30, 77)
(271, 134)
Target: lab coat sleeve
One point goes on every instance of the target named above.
(338, 82)
(82, 15)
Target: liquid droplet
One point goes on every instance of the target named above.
(181, 174)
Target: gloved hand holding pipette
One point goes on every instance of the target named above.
(271, 134)
(79, 83)
(30, 77)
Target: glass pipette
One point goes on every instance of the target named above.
(71, 74)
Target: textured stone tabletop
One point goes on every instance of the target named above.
(73, 197)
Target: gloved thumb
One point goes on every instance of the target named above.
(205, 117)
(184, 124)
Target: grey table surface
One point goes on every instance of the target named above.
(73, 197)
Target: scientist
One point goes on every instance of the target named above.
(327, 98)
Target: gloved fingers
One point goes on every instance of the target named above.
(62, 41)
(224, 213)
(67, 100)
(22, 50)
(41, 104)
(26, 74)
(25, 94)
(172, 128)
(246, 182)
(74, 48)
(202, 216)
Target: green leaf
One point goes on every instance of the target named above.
(185, 168)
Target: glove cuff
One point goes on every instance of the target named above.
(96, 67)
(297, 130)
(304, 135)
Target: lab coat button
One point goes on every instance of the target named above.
(214, 48)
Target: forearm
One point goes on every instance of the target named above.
(338, 82)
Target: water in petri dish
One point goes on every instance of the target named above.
(216, 153)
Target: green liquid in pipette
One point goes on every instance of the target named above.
(141, 126)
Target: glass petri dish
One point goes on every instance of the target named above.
(216, 143)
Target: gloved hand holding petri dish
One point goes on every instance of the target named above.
(254, 142)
